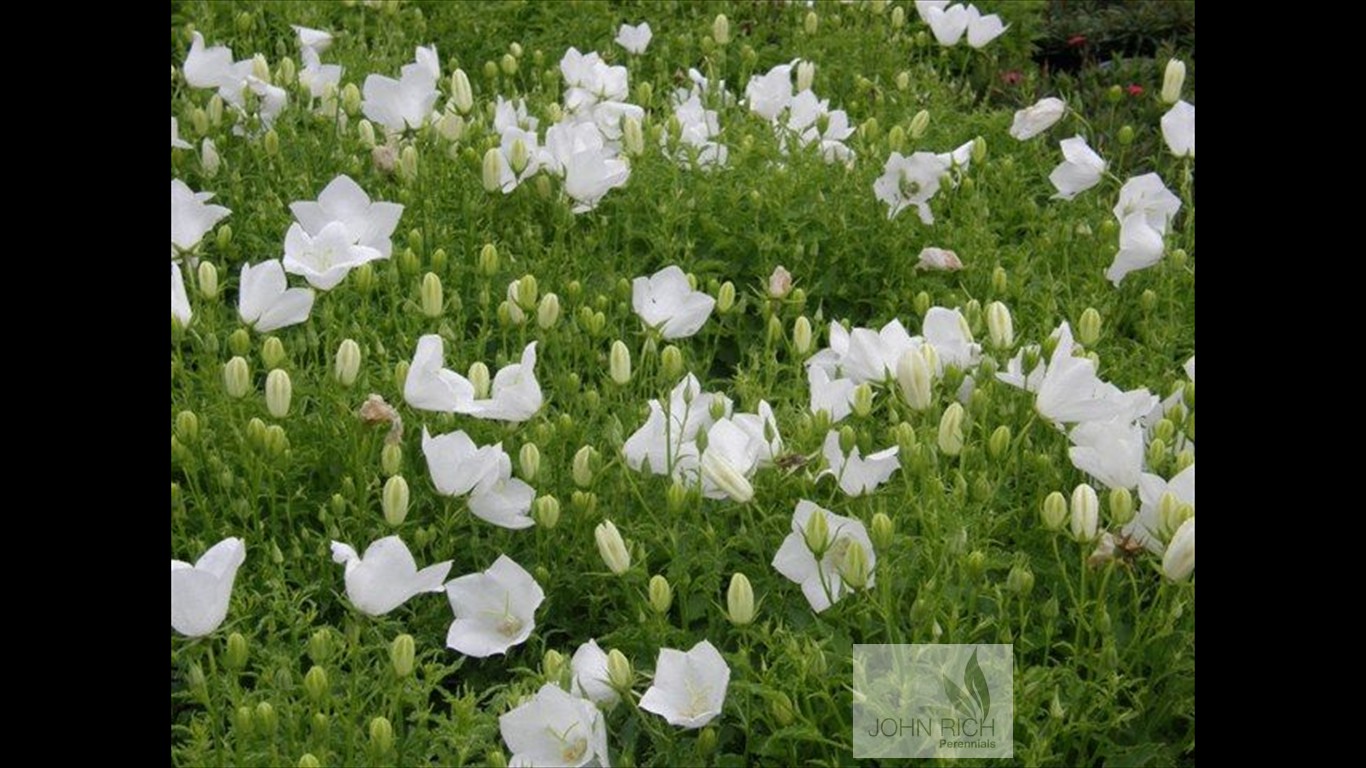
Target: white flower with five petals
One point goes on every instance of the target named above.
(494, 610)
(555, 728)
(822, 581)
(689, 689)
(665, 301)
(855, 474)
(266, 302)
(200, 592)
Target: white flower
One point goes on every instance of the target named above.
(456, 464)
(405, 103)
(634, 39)
(1110, 451)
(909, 181)
(667, 302)
(555, 728)
(1178, 562)
(1178, 129)
(698, 127)
(200, 592)
(762, 428)
(855, 474)
(727, 462)
(316, 40)
(430, 386)
(873, 355)
(387, 576)
(458, 467)
(208, 67)
(589, 80)
(1080, 170)
(947, 331)
(1034, 120)
(266, 303)
(947, 24)
(689, 689)
(176, 141)
(822, 582)
(589, 672)
(769, 94)
(1015, 376)
(316, 76)
(939, 258)
(1147, 195)
(191, 216)
(1140, 246)
(1070, 391)
(324, 259)
(1147, 525)
(515, 394)
(835, 397)
(983, 29)
(494, 610)
(667, 440)
(214, 68)
(342, 200)
(502, 499)
(590, 175)
(180, 303)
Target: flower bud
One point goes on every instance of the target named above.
(740, 601)
(316, 684)
(1020, 580)
(237, 651)
(817, 533)
(896, 139)
(706, 740)
(1054, 511)
(671, 362)
(266, 719)
(1121, 506)
(381, 735)
(307, 760)
(898, 17)
(272, 352)
(1156, 455)
(208, 158)
(524, 291)
(806, 73)
(452, 128)
(493, 168)
(1172, 81)
(1168, 514)
(619, 673)
(488, 259)
(391, 459)
(479, 378)
(583, 466)
(951, 430)
(402, 654)
(508, 64)
(720, 29)
(801, 336)
(395, 500)
(661, 594)
(975, 564)
(461, 94)
(347, 366)
(854, 568)
(271, 143)
(187, 427)
(811, 23)
(1183, 460)
(432, 295)
(914, 376)
(1000, 326)
(236, 377)
(725, 297)
(1088, 329)
(632, 137)
(276, 442)
(400, 373)
(903, 80)
(1178, 562)
(619, 363)
(725, 477)
(546, 511)
(490, 73)
(676, 497)
(320, 646)
(920, 123)
(612, 548)
(999, 442)
(1126, 135)
(279, 390)
(1085, 513)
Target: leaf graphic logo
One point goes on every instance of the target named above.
(973, 698)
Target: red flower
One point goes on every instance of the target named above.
(1076, 41)
(1135, 89)
(1013, 77)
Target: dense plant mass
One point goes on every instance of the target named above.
(683, 347)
